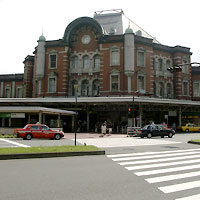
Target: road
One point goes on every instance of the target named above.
(167, 169)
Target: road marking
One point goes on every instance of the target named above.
(149, 153)
(162, 164)
(15, 143)
(172, 177)
(158, 160)
(107, 142)
(180, 187)
(160, 171)
(194, 197)
(152, 156)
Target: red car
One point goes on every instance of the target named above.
(38, 131)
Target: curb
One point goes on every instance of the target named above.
(49, 155)
(193, 142)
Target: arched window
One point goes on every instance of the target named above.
(86, 62)
(160, 64)
(95, 88)
(85, 88)
(161, 90)
(96, 61)
(169, 90)
(154, 89)
(74, 62)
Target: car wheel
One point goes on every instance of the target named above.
(187, 131)
(57, 137)
(170, 135)
(149, 135)
(142, 136)
(162, 136)
(28, 137)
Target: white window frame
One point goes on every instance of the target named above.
(74, 62)
(114, 56)
(96, 61)
(196, 93)
(86, 65)
(187, 89)
(8, 94)
(185, 68)
(19, 92)
(53, 54)
(52, 77)
(111, 82)
(143, 89)
(140, 62)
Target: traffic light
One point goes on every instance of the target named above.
(175, 69)
(130, 112)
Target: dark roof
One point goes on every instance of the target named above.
(11, 77)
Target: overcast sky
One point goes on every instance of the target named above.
(172, 22)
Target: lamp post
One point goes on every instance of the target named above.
(75, 125)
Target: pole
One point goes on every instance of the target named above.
(75, 127)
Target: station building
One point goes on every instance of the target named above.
(101, 67)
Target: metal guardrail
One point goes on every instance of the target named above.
(131, 131)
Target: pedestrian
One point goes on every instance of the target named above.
(103, 129)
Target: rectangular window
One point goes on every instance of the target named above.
(115, 56)
(196, 89)
(185, 88)
(7, 92)
(140, 58)
(185, 66)
(52, 61)
(19, 92)
(141, 85)
(115, 83)
(160, 64)
(52, 84)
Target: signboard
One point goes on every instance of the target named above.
(4, 115)
(17, 115)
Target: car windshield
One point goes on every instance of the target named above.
(145, 127)
(25, 126)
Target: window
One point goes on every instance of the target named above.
(141, 83)
(53, 61)
(115, 56)
(196, 89)
(85, 88)
(86, 62)
(96, 61)
(74, 62)
(161, 89)
(114, 83)
(168, 64)
(169, 90)
(185, 66)
(8, 92)
(52, 85)
(160, 64)
(185, 88)
(95, 88)
(19, 92)
(140, 58)
(35, 127)
(45, 127)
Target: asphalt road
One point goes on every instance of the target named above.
(110, 176)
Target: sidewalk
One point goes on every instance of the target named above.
(92, 135)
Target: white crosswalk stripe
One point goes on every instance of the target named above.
(165, 166)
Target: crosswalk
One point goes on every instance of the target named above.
(172, 172)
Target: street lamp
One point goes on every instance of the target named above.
(75, 125)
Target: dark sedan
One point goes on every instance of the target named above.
(156, 130)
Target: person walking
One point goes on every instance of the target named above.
(109, 126)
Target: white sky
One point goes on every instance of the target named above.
(172, 22)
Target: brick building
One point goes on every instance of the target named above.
(107, 55)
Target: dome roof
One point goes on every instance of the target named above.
(128, 30)
(42, 38)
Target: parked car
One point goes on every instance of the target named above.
(190, 128)
(38, 131)
(156, 130)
